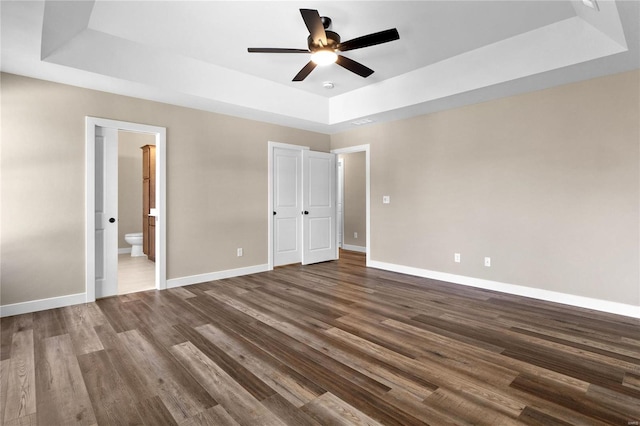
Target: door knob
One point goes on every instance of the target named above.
(306, 212)
(111, 220)
(275, 213)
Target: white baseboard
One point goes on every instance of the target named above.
(535, 293)
(124, 250)
(354, 248)
(42, 304)
(212, 276)
(75, 299)
(551, 296)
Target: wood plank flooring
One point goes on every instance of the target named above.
(328, 344)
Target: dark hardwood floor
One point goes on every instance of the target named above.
(328, 344)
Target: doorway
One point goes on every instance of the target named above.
(136, 266)
(101, 204)
(352, 206)
(349, 242)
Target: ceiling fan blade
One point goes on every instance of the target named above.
(313, 22)
(275, 50)
(354, 66)
(370, 40)
(304, 72)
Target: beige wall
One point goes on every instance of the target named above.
(545, 183)
(355, 200)
(130, 183)
(216, 185)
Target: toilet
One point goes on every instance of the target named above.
(135, 239)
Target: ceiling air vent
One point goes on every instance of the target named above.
(362, 121)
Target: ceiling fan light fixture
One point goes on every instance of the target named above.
(325, 44)
(324, 57)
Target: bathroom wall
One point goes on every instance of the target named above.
(130, 183)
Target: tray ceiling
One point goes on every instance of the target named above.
(194, 53)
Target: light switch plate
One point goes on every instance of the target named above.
(386, 199)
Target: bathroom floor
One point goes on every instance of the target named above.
(135, 274)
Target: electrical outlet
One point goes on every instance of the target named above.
(240, 252)
(487, 262)
(456, 257)
(355, 235)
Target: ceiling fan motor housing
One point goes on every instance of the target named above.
(333, 40)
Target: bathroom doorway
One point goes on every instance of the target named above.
(101, 236)
(136, 264)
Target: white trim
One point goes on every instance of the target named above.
(41, 305)
(367, 150)
(270, 147)
(90, 208)
(161, 194)
(340, 165)
(124, 250)
(349, 247)
(535, 293)
(213, 276)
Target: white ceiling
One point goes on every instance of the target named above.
(194, 53)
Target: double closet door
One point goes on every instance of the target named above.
(304, 207)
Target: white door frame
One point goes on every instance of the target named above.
(160, 134)
(366, 149)
(270, 147)
(340, 201)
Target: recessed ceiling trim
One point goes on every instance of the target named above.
(181, 77)
(558, 45)
(105, 54)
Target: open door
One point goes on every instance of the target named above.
(319, 204)
(106, 212)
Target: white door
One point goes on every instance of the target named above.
(319, 202)
(106, 179)
(287, 206)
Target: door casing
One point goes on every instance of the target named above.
(161, 222)
(340, 202)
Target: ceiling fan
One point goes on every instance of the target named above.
(324, 45)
